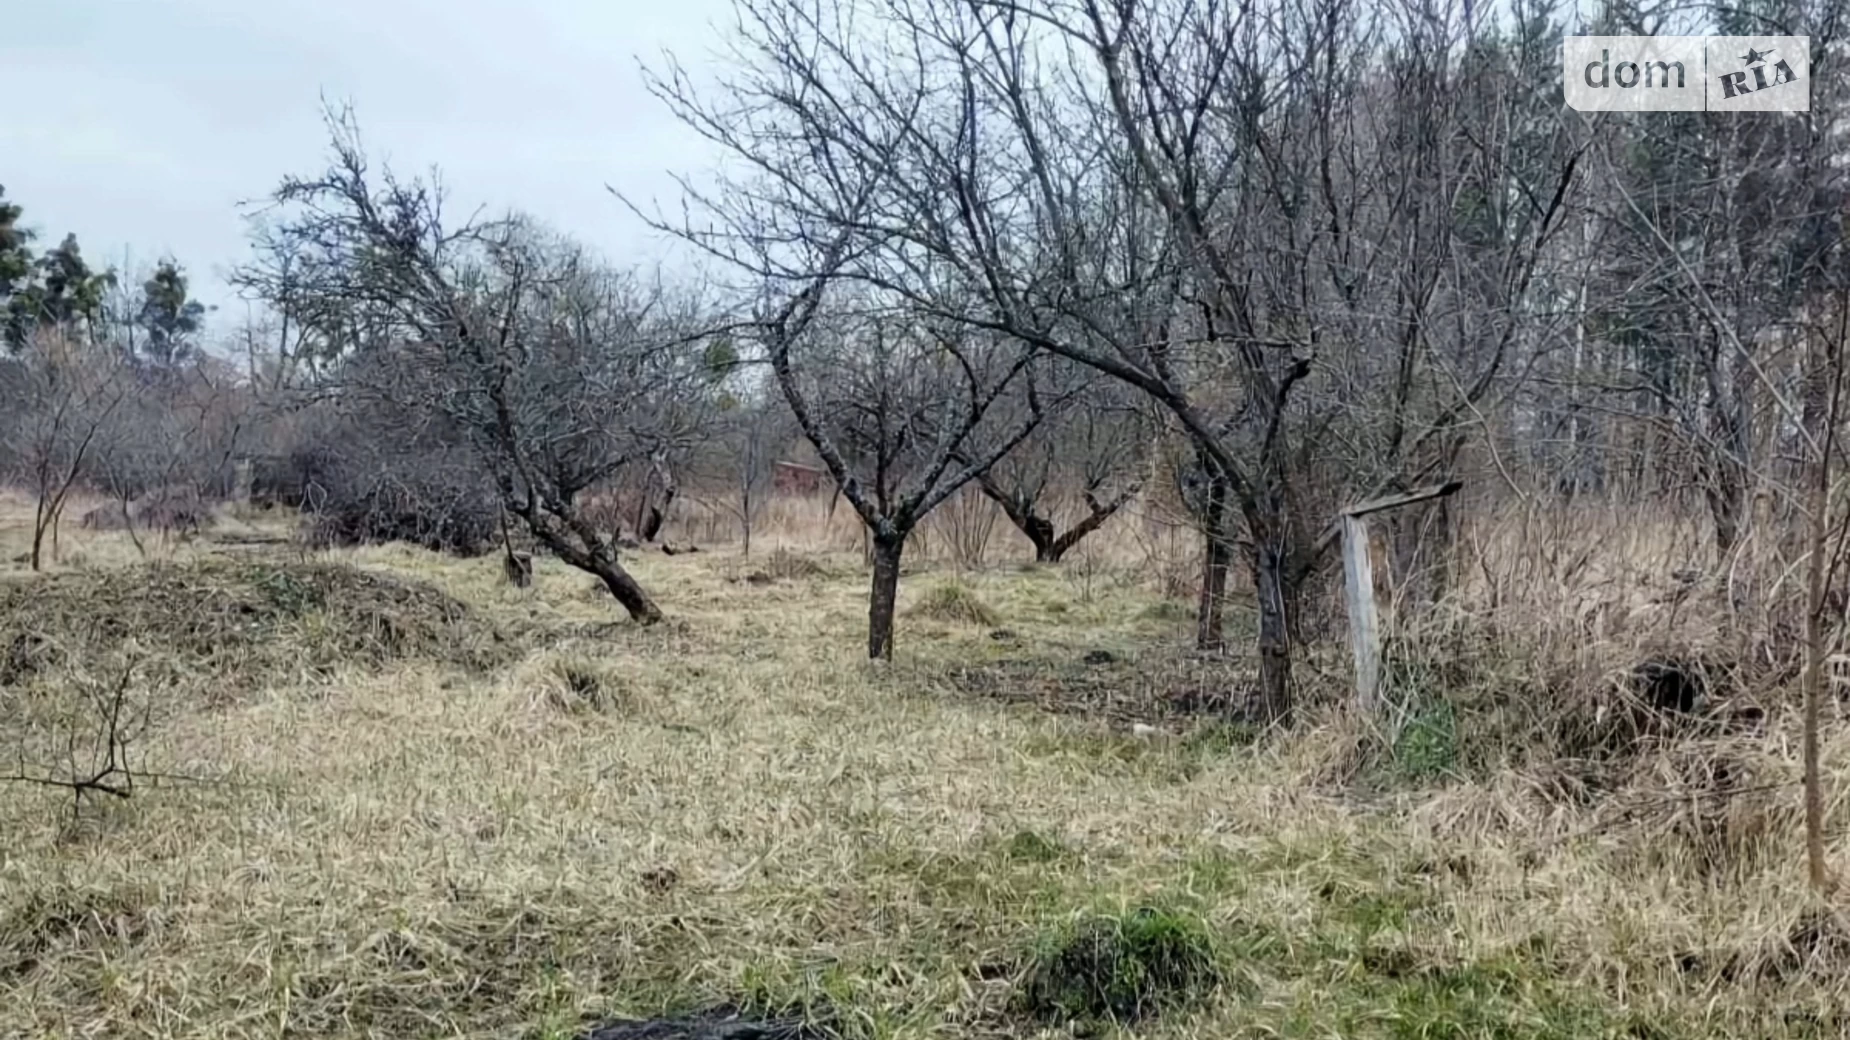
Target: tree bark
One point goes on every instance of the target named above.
(615, 578)
(1274, 590)
(46, 522)
(128, 526)
(884, 596)
(1823, 385)
(1097, 514)
(580, 547)
(1020, 511)
(1050, 546)
(1040, 533)
(38, 546)
(1215, 556)
(1726, 496)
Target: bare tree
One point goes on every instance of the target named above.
(72, 393)
(1822, 414)
(1089, 452)
(754, 432)
(171, 446)
(903, 413)
(1245, 210)
(560, 372)
(95, 737)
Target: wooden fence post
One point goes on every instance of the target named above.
(1359, 599)
(1359, 587)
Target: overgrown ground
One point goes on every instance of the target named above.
(526, 817)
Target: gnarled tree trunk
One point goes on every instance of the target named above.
(625, 589)
(1050, 546)
(576, 543)
(884, 596)
(1273, 587)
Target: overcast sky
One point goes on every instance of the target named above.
(140, 124)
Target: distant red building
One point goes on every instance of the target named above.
(794, 478)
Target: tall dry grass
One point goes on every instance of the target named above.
(734, 807)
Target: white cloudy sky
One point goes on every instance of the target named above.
(141, 124)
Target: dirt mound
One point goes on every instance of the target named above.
(238, 623)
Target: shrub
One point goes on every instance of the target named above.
(363, 482)
(1121, 967)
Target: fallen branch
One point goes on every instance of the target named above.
(112, 776)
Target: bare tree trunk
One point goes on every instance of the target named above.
(128, 525)
(1020, 511)
(1274, 593)
(1215, 557)
(45, 522)
(1065, 542)
(652, 525)
(1096, 515)
(581, 547)
(1726, 496)
(884, 596)
(1813, 680)
(624, 588)
(1824, 384)
(1040, 534)
(38, 545)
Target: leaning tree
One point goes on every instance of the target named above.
(561, 372)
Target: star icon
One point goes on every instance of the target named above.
(1753, 56)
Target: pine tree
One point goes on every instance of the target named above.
(15, 258)
(169, 317)
(61, 291)
(15, 267)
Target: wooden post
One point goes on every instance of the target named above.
(241, 483)
(1359, 586)
(519, 568)
(1359, 599)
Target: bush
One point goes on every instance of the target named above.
(364, 481)
(1121, 967)
(426, 512)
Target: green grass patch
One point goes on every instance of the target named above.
(1167, 611)
(1426, 748)
(1121, 967)
(1027, 846)
(1219, 739)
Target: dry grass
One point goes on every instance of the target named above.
(955, 602)
(735, 808)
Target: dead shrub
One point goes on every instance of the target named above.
(1722, 810)
(785, 565)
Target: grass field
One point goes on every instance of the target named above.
(486, 812)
